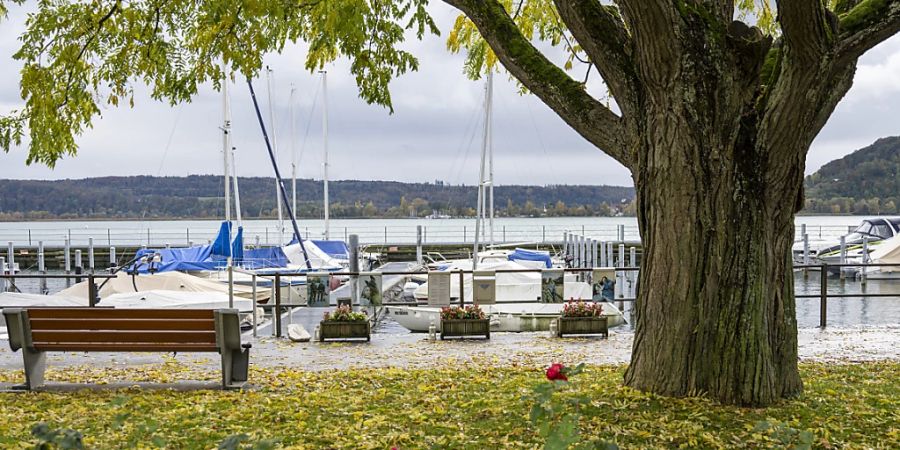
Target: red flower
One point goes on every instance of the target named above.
(557, 372)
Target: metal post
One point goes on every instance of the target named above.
(865, 258)
(610, 258)
(108, 237)
(565, 245)
(621, 261)
(594, 252)
(91, 254)
(602, 248)
(255, 319)
(11, 256)
(464, 234)
(2, 272)
(231, 284)
(92, 291)
(823, 295)
(113, 261)
(805, 247)
(543, 233)
(462, 289)
(621, 233)
(632, 260)
(148, 237)
(79, 268)
(42, 268)
(843, 255)
(277, 315)
(419, 244)
(354, 268)
(187, 234)
(67, 253)
(385, 235)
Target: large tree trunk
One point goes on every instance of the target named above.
(719, 176)
(715, 309)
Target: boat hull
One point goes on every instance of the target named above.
(508, 317)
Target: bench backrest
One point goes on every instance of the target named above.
(104, 329)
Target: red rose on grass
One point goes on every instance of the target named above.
(557, 372)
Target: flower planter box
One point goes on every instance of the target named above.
(466, 328)
(581, 326)
(329, 329)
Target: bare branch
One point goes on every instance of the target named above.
(567, 97)
(602, 34)
(865, 26)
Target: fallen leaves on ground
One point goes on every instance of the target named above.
(451, 405)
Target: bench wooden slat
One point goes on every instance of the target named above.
(123, 324)
(129, 347)
(110, 313)
(123, 337)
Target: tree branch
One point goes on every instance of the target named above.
(866, 25)
(600, 31)
(806, 30)
(565, 96)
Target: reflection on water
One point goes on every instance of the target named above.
(842, 312)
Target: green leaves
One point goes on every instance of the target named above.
(62, 439)
(81, 56)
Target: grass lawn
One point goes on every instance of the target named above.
(479, 407)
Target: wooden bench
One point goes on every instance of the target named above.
(38, 330)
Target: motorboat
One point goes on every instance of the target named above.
(870, 233)
(887, 252)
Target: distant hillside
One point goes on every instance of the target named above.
(866, 181)
(201, 196)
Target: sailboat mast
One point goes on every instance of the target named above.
(275, 150)
(282, 191)
(226, 146)
(293, 152)
(489, 138)
(479, 211)
(325, 146)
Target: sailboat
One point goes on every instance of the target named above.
(519, 291)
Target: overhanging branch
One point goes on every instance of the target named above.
(866, 25)
(602, 34)
(567, 97)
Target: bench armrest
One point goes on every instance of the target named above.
(17, 328)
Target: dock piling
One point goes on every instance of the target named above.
(2, 272)
(79, 269)
(418, 244)
(113, 261)
(354, 268)
(42, 268)
(91, 254)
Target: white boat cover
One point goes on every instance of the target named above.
(166, 281)
(888, 252)
(162, 299)
(319, 260)
(10, 299)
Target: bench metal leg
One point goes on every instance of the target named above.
(235, 368)
(35, 366)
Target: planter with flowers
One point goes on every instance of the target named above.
(582, 318)
(464, 322)
(344, 323)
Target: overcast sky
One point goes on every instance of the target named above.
(434, 133)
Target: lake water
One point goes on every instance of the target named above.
(370, 231)
(845, 312)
